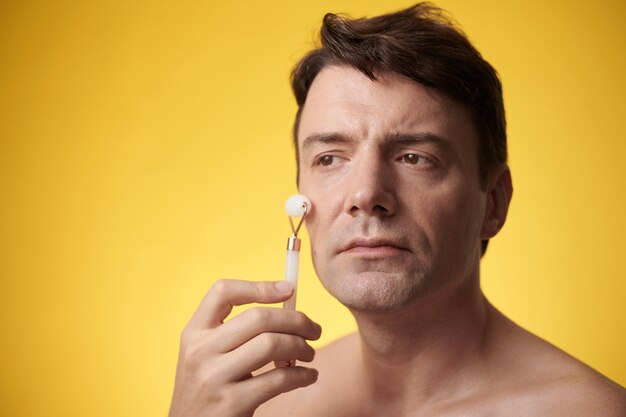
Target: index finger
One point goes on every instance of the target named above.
(227, 293)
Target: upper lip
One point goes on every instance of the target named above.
(370, 242)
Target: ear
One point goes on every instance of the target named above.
(499, 194)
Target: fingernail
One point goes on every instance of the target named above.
(283, 286)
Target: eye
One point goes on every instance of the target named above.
(418, 161)
(325, 160)
(413, 159)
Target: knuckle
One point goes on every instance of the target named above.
(262, 289)
(219, 287)
(196, 346)
(189, 355)
(194, 355)
(302, 320)
(287, 379)
(268, 342)
(186, 337)
(283, 376)
(259, 314)
(206, 383)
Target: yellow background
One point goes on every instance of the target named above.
(145, 152)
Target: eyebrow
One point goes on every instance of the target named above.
(325, 138)
(414, 138)
(395, 138)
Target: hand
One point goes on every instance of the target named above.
(216, 360)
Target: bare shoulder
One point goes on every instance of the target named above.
(333, 361)
(576, 395)
(589, 394)
(544, 380)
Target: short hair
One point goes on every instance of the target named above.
(425, 45)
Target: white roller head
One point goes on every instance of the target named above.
(296, 204)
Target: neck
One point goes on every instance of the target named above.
(427, 351)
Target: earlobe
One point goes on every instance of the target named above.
(499, 196)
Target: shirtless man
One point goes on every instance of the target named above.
(401, 147)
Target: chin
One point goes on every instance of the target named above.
(375, 291)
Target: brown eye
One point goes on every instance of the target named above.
(411, 158)
(326, 160)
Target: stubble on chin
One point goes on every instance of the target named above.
(369, 284)
(376, 290)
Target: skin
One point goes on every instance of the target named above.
(397, 219)
(217, 358)
(386, 165)
(395, 233)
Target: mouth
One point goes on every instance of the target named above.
(373, 247)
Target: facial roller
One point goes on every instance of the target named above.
(296, 206)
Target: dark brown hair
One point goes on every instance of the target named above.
(425, 45)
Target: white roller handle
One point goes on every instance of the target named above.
(291, 275)
(295, 206)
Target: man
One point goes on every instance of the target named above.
(401, 147)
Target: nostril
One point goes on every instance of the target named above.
(371, 201)
(376, 209)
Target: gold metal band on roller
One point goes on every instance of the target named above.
(293, 244)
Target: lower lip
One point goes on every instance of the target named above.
(374, 251)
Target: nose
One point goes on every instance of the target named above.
(370, 189)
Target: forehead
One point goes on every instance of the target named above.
(342, 99)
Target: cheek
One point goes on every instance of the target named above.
(316, 223)
(464, 237)
(312, 227)
(452, 216)
(323, 223)
(323, 204)
(318, 232)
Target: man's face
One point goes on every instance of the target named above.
(391, 169)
